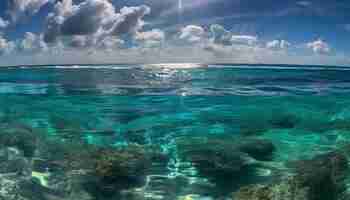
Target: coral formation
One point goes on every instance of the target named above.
(320, 178)
(220, 157)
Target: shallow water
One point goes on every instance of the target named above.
(303, 111)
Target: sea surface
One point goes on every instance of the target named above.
(165, 131)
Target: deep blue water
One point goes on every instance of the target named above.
(302, 111)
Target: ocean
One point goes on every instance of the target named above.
(174, 132)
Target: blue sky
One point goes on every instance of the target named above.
(152, 31)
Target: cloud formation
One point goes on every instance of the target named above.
(150, 39)
(3, 23)
(97, 18)
(129, 20)
(95, 31)
(244, 39)
(32, 43)
(83, 19)
(277, 44)
(319, 47)
(220, 35)
(22, 8)
(192, 34)
(6, 46)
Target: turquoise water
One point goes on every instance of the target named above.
(187, 124)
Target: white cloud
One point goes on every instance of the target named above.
(220, 35)
(110, 43)
(32, 43)
(78, 41)
(85, 18)
(96, 19)
(319, 47)
(129, 20)
(190, 44)
(224, 37)
(6, 46)
(21, 8)
(3, 23)
(153, 38)
(192, 34)
(155, 34)
(277, 44)
(244, 40)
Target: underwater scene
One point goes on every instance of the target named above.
(174, 132)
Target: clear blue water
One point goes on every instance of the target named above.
(302, 111)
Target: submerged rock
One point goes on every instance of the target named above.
(321, 178)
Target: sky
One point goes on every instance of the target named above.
(310, 32)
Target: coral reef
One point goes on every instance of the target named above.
(220, 157)
(320, 178)
(20, 136)
(260, 149)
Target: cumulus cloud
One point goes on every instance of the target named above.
(110, 43)
(32, 43)
(21, 8)
(129, 20)
(224, 37)
(153, 38)
(192, 34)
(82, 19)
(220, 35)
(319, 47)
(277, 44)
(6, 46)
(78, 41)
(3, 23)
(244, 40)
(97, 18)
(93, 31)
(87, 17)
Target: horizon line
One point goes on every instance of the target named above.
(207, 64)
